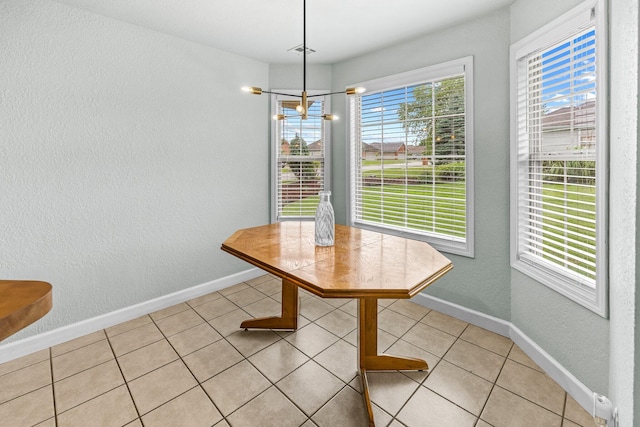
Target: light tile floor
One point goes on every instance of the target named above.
(190, 365)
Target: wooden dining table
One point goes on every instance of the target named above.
(22, 302)
(362, 264)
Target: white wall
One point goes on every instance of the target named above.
(482, 283)
(125, 158)
(624, 253)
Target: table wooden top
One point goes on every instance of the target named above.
(22, 303)
(361, 263)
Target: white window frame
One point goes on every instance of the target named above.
(458, 246)
(560, 29)
(275, 149)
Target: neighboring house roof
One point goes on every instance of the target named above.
(579, 116)
(387, 147)
(285, 148)
(368, 148)
(315, 146)
(393, 147)
(415, 149)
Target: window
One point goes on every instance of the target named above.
(559, 164)
(411, 156)
(300, 151)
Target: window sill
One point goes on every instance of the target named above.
(449, 246)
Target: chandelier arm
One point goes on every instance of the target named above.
(281, 93)
(328, 93)
(317, 116)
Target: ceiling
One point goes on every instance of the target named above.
(266, 29)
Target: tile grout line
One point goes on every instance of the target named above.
(30, 391)
(115, 359)
(396, 337)
(564, 407)
(126, 383)
(26, 366)
(273, 384)
(494, 384)
(294, 403)
(53, 388)
(393, 417)
(310, 358)
(125, 331)
(480, 419)
(83, 370)
(244, 358)
(562, 417)
(532, 402)
(383, 309)
(94, 397)
(50, 359)
(166, 338)
(421, 384)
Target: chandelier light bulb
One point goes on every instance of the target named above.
(252, 89)
(355, 90)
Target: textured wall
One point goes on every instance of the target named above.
(482, 283)
(573, 335)
(624, 246)
(126, 158)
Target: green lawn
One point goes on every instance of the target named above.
(387, 205)
(433, 208)
(571, 224)
(304, 207)
(440, 208)
(396, 172)
(385, 162)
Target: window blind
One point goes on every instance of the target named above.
(408, 157)
(300, 153)
(556, 138)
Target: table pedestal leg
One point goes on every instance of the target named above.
(368, 356)
(289, 317)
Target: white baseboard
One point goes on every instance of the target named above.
(493, 324)
(576, 389)
(29, 345)
(580, 392)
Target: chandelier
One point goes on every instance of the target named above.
(303, 107)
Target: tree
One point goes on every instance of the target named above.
(304, 171)
(436, 115)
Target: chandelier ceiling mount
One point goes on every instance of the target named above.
(303, 107)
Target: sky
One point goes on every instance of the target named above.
(568, 72)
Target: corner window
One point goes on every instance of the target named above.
(300, 150)
(559, 161)
(411, 156)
